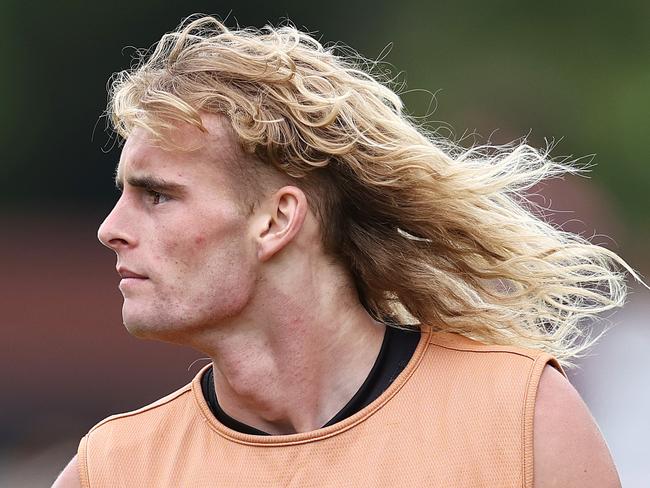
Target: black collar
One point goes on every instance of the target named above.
(397, 348)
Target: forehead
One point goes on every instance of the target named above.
(214, 153)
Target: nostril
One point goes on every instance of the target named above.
(118, 242)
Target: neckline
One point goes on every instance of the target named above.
(314, 435)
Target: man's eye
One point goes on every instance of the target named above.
(157, 197)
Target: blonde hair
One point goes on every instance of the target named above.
(430, 231)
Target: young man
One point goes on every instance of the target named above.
(378, 307)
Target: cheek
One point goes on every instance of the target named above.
(220, 255)
(184, 248)
(201, 251)
(222, 275)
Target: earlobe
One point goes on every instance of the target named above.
(284, 214)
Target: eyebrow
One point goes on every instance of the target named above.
(150, 183)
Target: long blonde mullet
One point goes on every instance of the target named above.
(431, 232)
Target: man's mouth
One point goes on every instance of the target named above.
(126, 273)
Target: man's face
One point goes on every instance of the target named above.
(184, 250)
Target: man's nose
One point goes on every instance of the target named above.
(114, 232)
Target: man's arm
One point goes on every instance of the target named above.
(569, 450)
(69, 477)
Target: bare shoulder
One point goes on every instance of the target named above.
(69, 477)
(569, 449)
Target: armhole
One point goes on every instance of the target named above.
(529, 412)
(82, 462)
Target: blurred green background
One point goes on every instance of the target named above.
(577, 73)
(572, 70)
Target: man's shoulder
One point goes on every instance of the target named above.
(569, 448)
(457, 343)
(167, 407)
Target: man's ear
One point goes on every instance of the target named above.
(281, 218)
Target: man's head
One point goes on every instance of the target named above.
(297, 112)
(426, 230)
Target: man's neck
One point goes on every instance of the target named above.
(287, 386)
(293, 367)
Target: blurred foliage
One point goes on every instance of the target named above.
(576, 71)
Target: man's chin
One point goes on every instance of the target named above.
(138, 329)
(151, 328)
(139, 324)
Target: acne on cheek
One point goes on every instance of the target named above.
(199, 240)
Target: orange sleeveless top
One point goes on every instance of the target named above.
(459, 415)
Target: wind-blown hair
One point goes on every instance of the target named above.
(429, 231)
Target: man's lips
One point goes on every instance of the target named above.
(127, 273)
